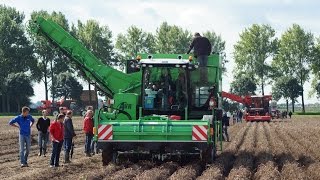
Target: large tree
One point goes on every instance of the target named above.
(315, 66)
(51, 60)
(14, 84)
(243, 85)
(296, 50)
(218, 45)
(257, 43)
(68, 87)
(135, 41)
(16, 53)
(288, 88)
(172, 39)
(98, 39)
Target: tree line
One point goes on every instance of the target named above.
(26, 58)
(286, 62)
(260, 57)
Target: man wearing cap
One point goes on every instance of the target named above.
(201, 48)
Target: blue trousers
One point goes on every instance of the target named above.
(43, 141)
(56, 149)
(87, 146)
(67, 145)
(25, 143)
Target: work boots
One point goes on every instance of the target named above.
(40, 153)
(44, 152)
(66, 158)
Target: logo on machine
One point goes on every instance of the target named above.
(125, 106)
(199, 133)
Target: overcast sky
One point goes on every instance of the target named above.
(226, 17)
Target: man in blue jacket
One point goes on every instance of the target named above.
(24, 123)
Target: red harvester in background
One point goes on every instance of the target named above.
(257, 107)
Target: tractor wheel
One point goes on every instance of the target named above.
(55, 113)
(115, 157)
(106, 156)
(210, 154)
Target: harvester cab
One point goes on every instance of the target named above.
(171, 87)
(165, 85)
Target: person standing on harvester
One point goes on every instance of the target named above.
(24, 121)
(43, 124)
(69, 134)
(202, 49)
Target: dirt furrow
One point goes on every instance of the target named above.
(287, 164)
(265, 167)
(243, 165)
(303, 140)
(190, 171)
(158, 173)
(224, 162)
(131, 171)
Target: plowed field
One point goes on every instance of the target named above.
(288, 149)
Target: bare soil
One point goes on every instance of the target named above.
(281, 149)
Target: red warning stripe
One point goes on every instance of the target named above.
(105, 132)
(199, 133)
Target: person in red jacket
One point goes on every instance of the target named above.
(56, 133)
(88, 130)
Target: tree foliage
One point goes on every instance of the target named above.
(16, 52)
(229, 105)
(50, 59)
(288, 88)
(135, 41)
(68, 87)
(257, 43)
(172, 39)
(97, 38)
(218, 45)
(243, 85)
(296, 51)
(315, 67)
(19, 88)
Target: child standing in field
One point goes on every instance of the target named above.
(88, 130)
(56, 132)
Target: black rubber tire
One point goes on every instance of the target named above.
(55, 113)
(106, 156)
(211, 154)
(115, 158)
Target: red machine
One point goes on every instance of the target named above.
(257, 107)
(53, 108)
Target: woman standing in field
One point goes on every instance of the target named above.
(56, 132)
